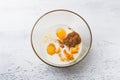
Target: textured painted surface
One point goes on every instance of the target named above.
(18, 61)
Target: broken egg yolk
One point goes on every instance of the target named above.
(74, 49)
(51, 49)
(61, 33)
(67, 55)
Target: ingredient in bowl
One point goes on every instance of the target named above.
(61, 58)
(74, 50)
(68, 56)
(68, 45)
(61, 33)
(51, 49)
(61, 43)
(72, 39)
(57, 50)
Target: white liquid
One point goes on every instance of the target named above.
(50, 37)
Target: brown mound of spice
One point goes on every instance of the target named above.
(72, 39)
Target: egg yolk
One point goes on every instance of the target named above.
(74, 49)
(51, 49)
(61, 33)
(68, 56)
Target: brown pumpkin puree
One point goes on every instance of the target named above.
(72, 39)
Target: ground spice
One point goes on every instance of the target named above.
(72, 39)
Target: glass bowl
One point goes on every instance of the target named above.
(62, 18)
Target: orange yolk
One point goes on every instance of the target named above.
(68, 56)
(51, 49)
(61, 33)
(74, 49)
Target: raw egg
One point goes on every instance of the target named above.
(51, 49)
(61, 33)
